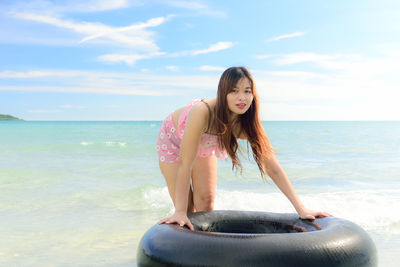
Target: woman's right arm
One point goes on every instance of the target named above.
(195, 126)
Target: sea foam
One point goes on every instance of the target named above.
(372, 210)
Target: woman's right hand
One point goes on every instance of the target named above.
(179, 218)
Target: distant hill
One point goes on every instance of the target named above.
(8, 118)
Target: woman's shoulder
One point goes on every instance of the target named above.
(201, 112)
(194, 111)
(205, 106)
(181, 113)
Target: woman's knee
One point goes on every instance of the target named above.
(204, 178)
(204, 202)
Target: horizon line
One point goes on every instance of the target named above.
(22, 120)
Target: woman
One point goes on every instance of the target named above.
(193, 137)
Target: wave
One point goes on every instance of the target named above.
(374, 210)
(106, 143)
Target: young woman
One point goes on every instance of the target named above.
(193, 137)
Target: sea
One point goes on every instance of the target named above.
(83, 193)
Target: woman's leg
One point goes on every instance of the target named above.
(204, 179)
(170, 170)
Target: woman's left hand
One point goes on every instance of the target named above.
(312, 214)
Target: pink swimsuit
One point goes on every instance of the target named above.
(170, 138)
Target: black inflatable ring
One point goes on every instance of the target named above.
(243, 238)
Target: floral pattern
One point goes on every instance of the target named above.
(168, 148)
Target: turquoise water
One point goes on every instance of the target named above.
(83, 193)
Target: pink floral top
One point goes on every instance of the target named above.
(209, 142)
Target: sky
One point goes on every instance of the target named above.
(140, 60)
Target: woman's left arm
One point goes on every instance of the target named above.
(278, 175)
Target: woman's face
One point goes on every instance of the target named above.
(240, 97)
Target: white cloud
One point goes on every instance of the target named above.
(186, 4)
(214, 48)
(135, 36)
(172, 68)
(129, 59)
(211, 68)
(88, 6)
(94, 5)
(344, 87)
(263, 56)
(100, 5)
(72, 107)
(135, 27)
(94, 88)
(391, 52)
(66, 106)
(106, 82)
(285, 36)
(113, 106)
(37, 74)
(346, 65)
(59, 7)
(196, 8)
(335, 109)
(43, 111)
(290, 74)
(340, 87)
(294, 58)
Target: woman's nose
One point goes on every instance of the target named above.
(242, 96)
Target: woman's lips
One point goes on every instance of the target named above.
(241, 105)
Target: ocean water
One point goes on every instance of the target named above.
(84, 193)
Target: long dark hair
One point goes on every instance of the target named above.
(248, 123)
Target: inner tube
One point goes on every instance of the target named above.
(247, 238)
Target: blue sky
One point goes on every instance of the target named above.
(139, 60)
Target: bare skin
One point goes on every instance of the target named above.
(203, 171)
